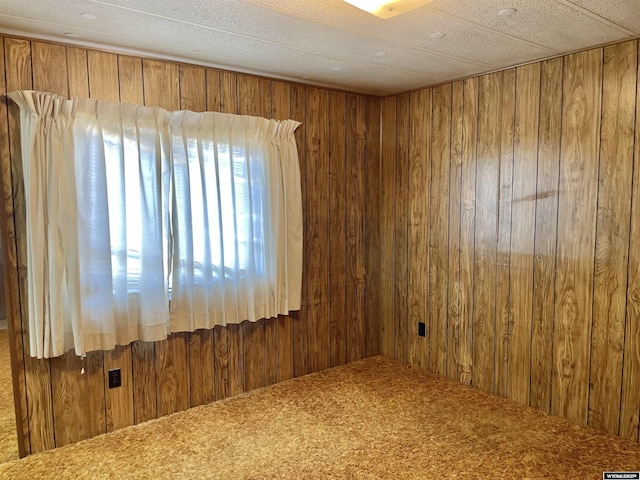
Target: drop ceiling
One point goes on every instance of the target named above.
(330, 42)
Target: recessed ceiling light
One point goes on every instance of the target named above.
(387, 8)
(380, 54)
(507, 12)
(71, 34)
(88, 16)
(437, 35)
(337, 69)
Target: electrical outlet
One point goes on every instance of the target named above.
(114, 378)
(422, 329)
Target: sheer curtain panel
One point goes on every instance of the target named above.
(141, 222)
(237, 219)
(97, 178)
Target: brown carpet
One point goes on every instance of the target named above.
(371, 419)
(8, 438)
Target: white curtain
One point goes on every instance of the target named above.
(237, 219)
(135, 212)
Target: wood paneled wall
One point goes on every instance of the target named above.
(338, 144)
(511, 217)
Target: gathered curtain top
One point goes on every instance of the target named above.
(45, 104)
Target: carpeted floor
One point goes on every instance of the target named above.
(8, 438)
(371, 419)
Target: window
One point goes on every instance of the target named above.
(142, 222)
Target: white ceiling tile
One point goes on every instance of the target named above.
(622, 12)
(304, 40)
(543, 22)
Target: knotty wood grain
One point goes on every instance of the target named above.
(192, 85)
(439, 222)
(103, 84)
(418, 217)
(317, 235)
(220, 362)
(455, 199)
(130, 79)
(630, 402)
(486, 230)
(212, 85)
(612, 235)
(253, 333)
(355, 235)
(523, 210)
(254, 361)
(248, 95)
(172, 374)
(270, 324)
(10, 275)
(270, 351)
(467, 227)
(300, 318)
(77, 71)
(546, 233)
(337, 228)
(582, 89)
(401, 221)
(387, 227)
(281, 110)
(503, 244)
(372, 246)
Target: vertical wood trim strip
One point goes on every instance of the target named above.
(503, 245)
(439, 224)
(486, 231)
(317, 128)
(337, 229)
(10, 260)
(300, 318)
(612, 235)
(372, 246)
(401, 221)
(418, 234)
(281, 110)
(577, 212)
(387, 232)
(546, 227)
(467, 228)
(455, 210)
(357, 214)
(525, 163)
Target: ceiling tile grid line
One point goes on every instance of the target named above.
(411, 45)
(99, 45)
(494, 31)
(331, 43)
(568, 3)
(205, 27)
(333, 27)
(256, 69)
(595, 16)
